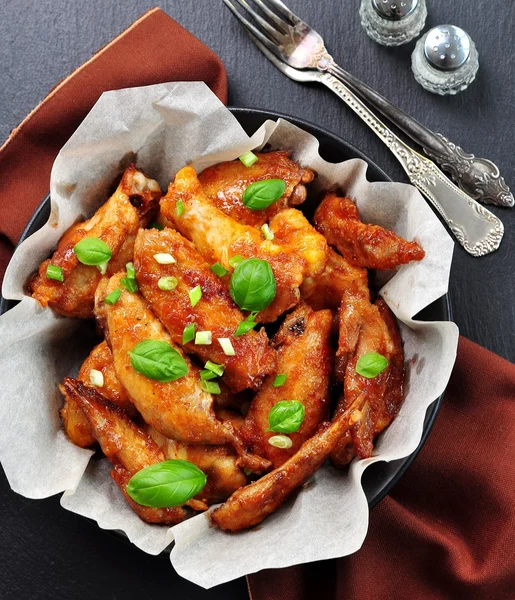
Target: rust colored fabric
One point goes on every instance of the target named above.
(447, 530)
(154, 49)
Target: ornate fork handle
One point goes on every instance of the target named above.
(478, 177)
(476, 228)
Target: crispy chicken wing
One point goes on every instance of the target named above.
(128, 447)
(219, 463)
(362, 245)
(225, 183)
(215, 312)
(304, 355)
(75, 423)
(219, 237)
(252, 504)
(179, 409)
(116, 223)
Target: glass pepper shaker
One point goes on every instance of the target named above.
(393, 22)
(445, 60)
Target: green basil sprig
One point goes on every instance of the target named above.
(166, 484)
(286, 416)
(158, 361)
(261, 194)
(253, 285)
(371, 364)
(92, 251)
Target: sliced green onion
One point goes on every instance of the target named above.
(113, 297)
(227, 346)
(206, 375)
(215, 368)
(219, 270)
(96, 378)
(195, 295)
(244, 327)
(280, 380)
(203, 338)
(54, 272)
(280, 441)
(248, 159)
(164, 258)
(131, 272)
(236, 260)
(131, 285)
(211, 387)
(156, 225)
(267, 232)
(167, 284)
(179, 208)
(103, 268)
(188, 335)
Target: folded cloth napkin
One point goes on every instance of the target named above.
(447, 530)
(152, 50)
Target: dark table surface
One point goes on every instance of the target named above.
(46, 552)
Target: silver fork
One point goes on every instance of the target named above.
(296, 43)
(476, 228)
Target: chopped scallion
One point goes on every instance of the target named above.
(203, 338)
(248, 159)
(131, 272)
(179, 207)
(164, 258)
(280, 380)
(236, 260)
(244, 327)
(219, 270)
(195, 295)
(227, 346)
(103, 268)
(267, 232)
(54, 272)
(131, 285)
(215, 368)
(188, 335)
(206, 375)
(280, 441)
(211, 387)
(167, 284)
(113, 297)
(96, 378)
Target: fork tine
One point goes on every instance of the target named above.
(271, 31)
(285, 11)
(252, 29)
(280, 24)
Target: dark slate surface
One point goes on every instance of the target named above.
(46, 552)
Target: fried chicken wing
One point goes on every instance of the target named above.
(361, 244)
(304, 355)
(219, 463)
(225, 183)
(116, 223)
(252, 504)
(127, 446)
(219, 237)
(179, 409)
(215, 311)
(75, 423)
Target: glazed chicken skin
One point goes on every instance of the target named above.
(362, 245)
(219, 238)
(304, 355)
(75, 423)
(251, 504)
(224, 184)
(127, 446)
(179, 409)
(116, 222)
(215, 311)
(219, 463)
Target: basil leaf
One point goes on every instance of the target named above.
(165, 484)
(253, 285)
(371, 364)
(286, 416)
(261, 194)
(158, 360)
(92, 251)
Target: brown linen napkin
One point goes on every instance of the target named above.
(154, 49)
(447, 530)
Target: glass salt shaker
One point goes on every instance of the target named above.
(393, 22)
(445, 60)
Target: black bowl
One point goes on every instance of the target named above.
(379, 478)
